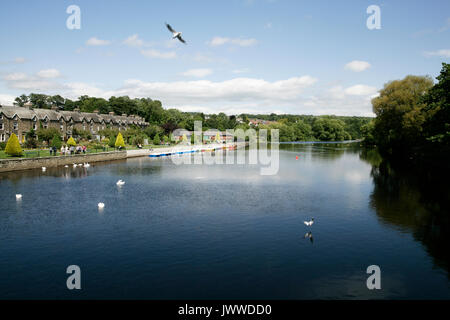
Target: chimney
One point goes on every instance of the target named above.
(111, 113)
(96, 112)
(28, 105)
(76, 110)
(55, 108)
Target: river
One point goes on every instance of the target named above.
(196, 231)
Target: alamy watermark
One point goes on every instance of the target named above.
(257, 151)
(374, 20)
(74, 20)
(374, 280)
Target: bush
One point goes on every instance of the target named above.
(47, 134)
(71, 142)
(13, 146)
(119, 141)
(112, 141)
(156, 139)
(2, 145)
(31, 143)
(56, 142)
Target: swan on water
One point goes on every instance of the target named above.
(309, 223)
(120, 182)
(18, 196)
(101, 205)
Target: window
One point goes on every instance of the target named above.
(2, 137)
(1, 116)
(1, 126)
(34, 125)
(61, 127)
(16, 125)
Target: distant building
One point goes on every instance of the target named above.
(20, 120)
(257, 122)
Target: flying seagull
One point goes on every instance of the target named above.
(175, 34)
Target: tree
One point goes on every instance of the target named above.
(71, 142)
(47, 134)
(112, 141)
(56, 141)
(437, 126)
(20, 101)
(13, 146)
(156, 139)
(119, 141)
(400, 114)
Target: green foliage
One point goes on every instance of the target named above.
(156, 139)
(47, 134)
(56, 141)
(413, 118)
(437, 126)
(368, 133)
(71, 142)
(400, 113)
(112, 141)
(325, 129)
(119, 141)
(82, 134)
(13, 146)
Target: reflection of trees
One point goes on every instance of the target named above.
(324, 151)
(416, 201)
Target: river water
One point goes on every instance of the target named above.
(225, 231)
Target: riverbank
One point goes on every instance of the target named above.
(12, 164)
(55, 161)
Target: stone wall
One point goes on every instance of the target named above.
(54, 161)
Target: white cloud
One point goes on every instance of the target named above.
(152, 53)
(6, 99)
(360, 90)
(238, 71)
(97, 42)
(444, 53)
(198, 73)
(48, 73)
(16, 76)
(357, 65)
(133, 41)
(296, 95)
(219, 41)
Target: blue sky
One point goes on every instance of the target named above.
(258, 56)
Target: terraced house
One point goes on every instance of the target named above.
(20, 120)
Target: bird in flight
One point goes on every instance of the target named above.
(175, 34)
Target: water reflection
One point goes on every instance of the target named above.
(413, 200)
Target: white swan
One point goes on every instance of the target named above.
(18, 196)
(120, 182)
(74, 165)
(101, 205)
(86, 165)
(66, 166)
(309, 223)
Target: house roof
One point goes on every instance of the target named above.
(53, 115)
